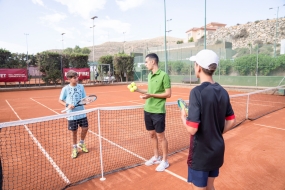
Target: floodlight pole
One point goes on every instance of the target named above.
(93, 18)
(61, 69)
(205, 46)
(124, 42)
(27, 43)
(276, 30)
(165, 50)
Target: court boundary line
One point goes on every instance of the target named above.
(130, 152)
(269, 126)
(48, 157)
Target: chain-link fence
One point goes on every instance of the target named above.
(261, 65)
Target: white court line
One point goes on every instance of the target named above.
(136, 102)
(270, 127)
(253, 104)
(171, 173)
(136, 155)
(44, 106)
(61, 174)
(105, 92)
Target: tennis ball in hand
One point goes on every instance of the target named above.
(132, 89)
(133, 84)
(129, 86)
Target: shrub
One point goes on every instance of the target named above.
(259, 43)
(179, 42)
(218, 42)
(191, 39)
(242, 34)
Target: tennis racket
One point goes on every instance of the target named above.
(182, 105)
(84, 101)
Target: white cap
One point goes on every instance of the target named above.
(205, 57)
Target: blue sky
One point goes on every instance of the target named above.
(45, 20)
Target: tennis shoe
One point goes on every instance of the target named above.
(82, 147)
(153, 160)
(74, 153)
(162, 166)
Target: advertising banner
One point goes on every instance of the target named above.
(13, 75)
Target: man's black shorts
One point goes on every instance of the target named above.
(154, 121)
(73, 124)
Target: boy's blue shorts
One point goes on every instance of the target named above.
(200, 178)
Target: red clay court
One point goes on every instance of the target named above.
(37, 155)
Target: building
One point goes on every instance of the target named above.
(197, 33)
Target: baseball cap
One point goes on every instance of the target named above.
(205, 57)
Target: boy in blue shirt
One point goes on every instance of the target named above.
(69, 96)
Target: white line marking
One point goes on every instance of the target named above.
(270, 127)
(61, 174)
(136, 102)
(44, 106)
(136, 155)
(171, 173)
(175, 175)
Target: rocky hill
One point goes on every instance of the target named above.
(242, 35)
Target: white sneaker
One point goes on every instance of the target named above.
(153, 160)
(162, 166)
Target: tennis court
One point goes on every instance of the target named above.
(36, 154)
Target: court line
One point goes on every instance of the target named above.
(171, 173)
(270, 127)
(136, 102)
(45, 106)
(61, 174)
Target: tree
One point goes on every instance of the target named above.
(68, 51)
(179, 42)
(77, 50)
(50, 66)
(123, 66)
(85, 51)
(4, 57)
(78, 60)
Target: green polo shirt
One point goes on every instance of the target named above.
(157, 83)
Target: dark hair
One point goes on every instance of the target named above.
(153, 56)
(71, 73)
(211, 70)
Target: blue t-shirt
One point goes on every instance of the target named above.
(71, 95)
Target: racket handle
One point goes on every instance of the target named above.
(64, 110)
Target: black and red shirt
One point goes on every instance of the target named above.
(209, 107)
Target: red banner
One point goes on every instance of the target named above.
(13, 75)
(83, 73)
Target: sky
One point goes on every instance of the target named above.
(37, 25)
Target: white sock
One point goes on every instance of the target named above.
(81, 142)
(75, 146)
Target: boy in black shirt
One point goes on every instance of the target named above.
(210, 114)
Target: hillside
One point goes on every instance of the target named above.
(242, 35)
(137, 46)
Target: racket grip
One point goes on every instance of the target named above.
(64, 110)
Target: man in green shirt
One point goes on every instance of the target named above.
(159, 88)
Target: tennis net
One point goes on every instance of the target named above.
(36, 153)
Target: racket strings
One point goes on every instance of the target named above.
(87, 100)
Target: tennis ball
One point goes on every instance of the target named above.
(135, 87)
(132, 90)
(133, 84)
(129, 86)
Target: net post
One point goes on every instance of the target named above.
(247, 104)
(100, 145)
